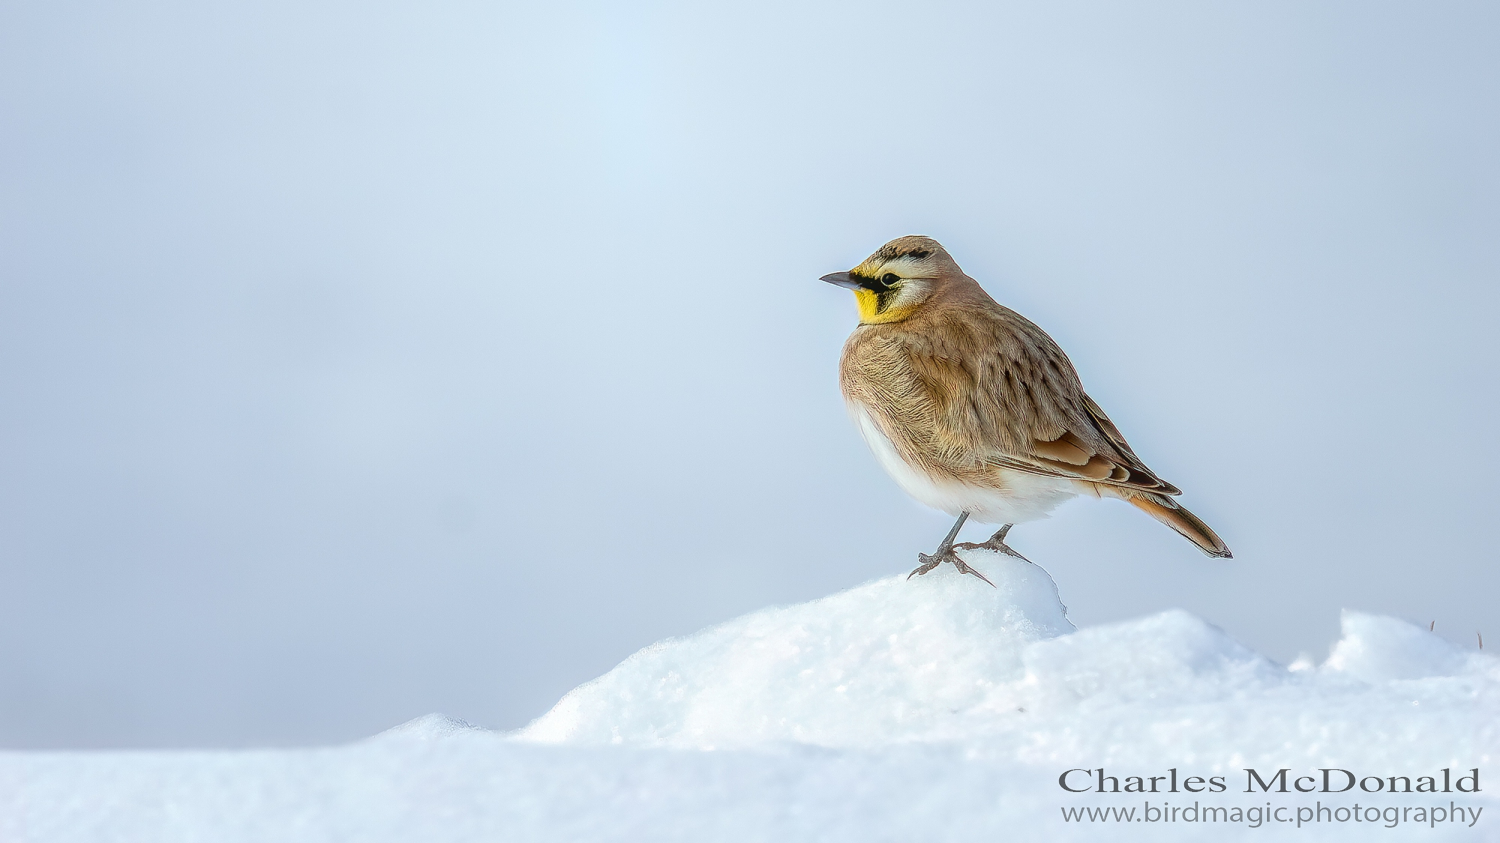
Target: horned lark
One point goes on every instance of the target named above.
(976, 411)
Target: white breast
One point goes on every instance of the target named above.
(1015, 496)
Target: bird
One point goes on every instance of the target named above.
(974, 410)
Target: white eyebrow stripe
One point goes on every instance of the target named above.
(905, 262)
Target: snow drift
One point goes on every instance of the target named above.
(934, 709)
(945, 659)
(888, 661)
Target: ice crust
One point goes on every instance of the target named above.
(930, 709)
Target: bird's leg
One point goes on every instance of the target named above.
(945, 554)
(995, 543)
(944, 551)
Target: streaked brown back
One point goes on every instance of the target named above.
(966, 386)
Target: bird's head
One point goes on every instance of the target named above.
(895, 281)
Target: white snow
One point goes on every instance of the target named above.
(930, 709)
(894, 660)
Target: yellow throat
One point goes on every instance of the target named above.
(871, 313)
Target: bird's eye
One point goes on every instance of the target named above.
(889, 279)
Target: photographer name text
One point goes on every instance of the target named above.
(1321, 780)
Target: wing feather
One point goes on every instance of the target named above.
(990, 390)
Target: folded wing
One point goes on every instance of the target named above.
(1001, 393)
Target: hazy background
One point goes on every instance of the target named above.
(364, 360)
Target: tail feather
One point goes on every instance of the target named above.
(1188, 525)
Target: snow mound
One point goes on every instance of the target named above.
(429, 727)
(890, 660)
(1380, 649)
(944, 658)
(935, 709)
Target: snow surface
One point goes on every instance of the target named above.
(934, 709)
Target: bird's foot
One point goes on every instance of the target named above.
(945, 554)
(995, 543)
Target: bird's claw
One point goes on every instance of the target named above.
(945, 555)
(928, 563)
(965, 569)
(995, 543)
(998, 547)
